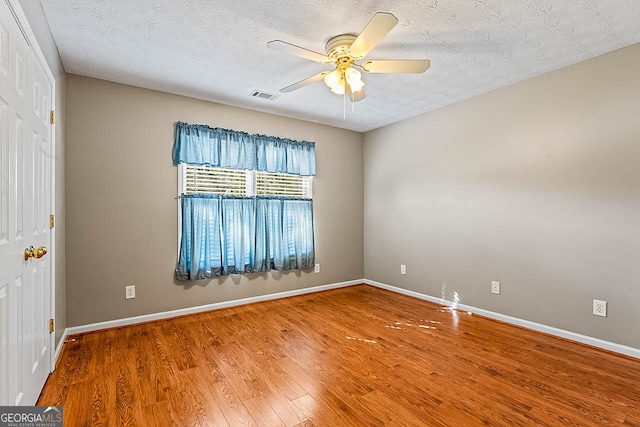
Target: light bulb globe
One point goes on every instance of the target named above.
(338, 89)
(332, 79)
(352, 75)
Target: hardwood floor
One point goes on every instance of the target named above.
(357, 356)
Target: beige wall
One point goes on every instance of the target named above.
(35, 15)
(122, 211)
(535, 185)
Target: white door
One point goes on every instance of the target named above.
(25, 206)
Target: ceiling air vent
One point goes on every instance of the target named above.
(264, 95)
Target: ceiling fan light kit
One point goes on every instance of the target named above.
(344, 51)
(344, 75)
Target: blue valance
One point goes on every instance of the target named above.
(203, 145)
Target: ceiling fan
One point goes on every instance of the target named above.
(344, 51)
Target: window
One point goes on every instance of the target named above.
(204, 179)
(198, 179)
(245, 202)
(283, 184)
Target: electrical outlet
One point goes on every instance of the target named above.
(600, 308)
(495, 287)
(403, 269)
(317, 268)
(130, 292)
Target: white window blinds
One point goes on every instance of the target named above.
(198, 179)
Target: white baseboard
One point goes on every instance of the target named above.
(199, 309)
(584, 339)
(63, 338)
(595, 342)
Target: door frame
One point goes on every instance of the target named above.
(29, 35)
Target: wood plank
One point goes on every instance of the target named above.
(357, 356)
(202, 398)
(262, 412)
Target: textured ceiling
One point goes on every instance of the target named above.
(216, 49)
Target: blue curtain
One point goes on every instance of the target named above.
(233, 235)
(224, 235)
(203, 145)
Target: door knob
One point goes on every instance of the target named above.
(32, 252)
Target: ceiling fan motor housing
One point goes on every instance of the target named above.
(338, 48)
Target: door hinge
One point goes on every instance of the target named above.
(52, 221)
(51, 329)
(52, 117)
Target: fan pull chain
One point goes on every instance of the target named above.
(344, 106)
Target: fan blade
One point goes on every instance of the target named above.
(376, 29)
(397, 66)
(354, 96)
(304, 82)
(292, 49)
